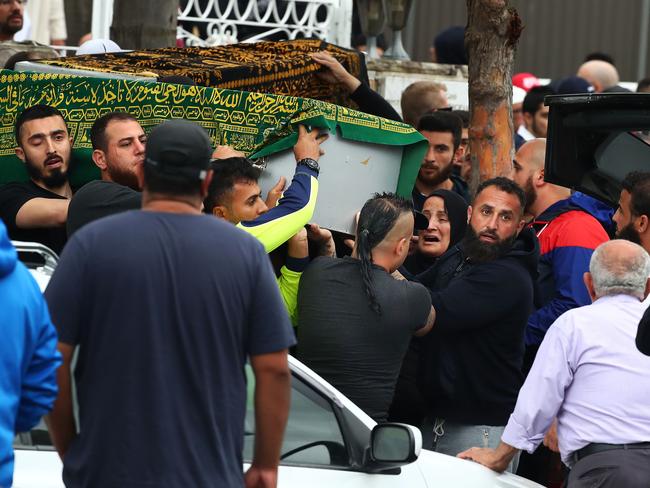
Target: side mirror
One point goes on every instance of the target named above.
(393, 445)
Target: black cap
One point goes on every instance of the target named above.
(179, 149)
(421, 221)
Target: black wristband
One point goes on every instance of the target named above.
(310, 163)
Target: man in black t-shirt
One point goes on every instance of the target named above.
(37, 210)
(118, 151)
(355, 320)
(163, 325)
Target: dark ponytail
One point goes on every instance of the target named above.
(378, 216)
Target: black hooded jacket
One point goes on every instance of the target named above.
(471, 363)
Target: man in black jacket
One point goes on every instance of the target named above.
(482, 293)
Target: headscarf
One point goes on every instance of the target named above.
(456, 208)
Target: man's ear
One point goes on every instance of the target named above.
(469, 213)
(458, 155)
(589, 283)
(220, 212)
(642, 224)
(401, 244)
(539, 177)
(20, 153)
(521, 225)
(99, 158)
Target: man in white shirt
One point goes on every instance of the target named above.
(589, 374)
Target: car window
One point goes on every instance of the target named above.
(312, 436)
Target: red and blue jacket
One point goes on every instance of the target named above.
(568, 232)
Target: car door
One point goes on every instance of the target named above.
(316, 447)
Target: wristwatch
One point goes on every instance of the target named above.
(310, 163)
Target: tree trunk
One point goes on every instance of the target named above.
(144, 24)
(78, 15)
(491, 36)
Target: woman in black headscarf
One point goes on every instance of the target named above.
(447, 214)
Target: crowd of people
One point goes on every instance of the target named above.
(498, 320)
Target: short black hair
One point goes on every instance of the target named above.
(506, 185)
(600, 56)
(464, 117)
(637, 183)
(98, 130)
(534, 99)
(442, 122)
(35, 112)
(227, 172)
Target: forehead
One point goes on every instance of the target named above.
(434, 204)
(438, 138)
(625, 198)
(120, 129)
(243, 190)
(500, 200)
(42, 126)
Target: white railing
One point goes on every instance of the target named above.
(227, 21)
(221, 20)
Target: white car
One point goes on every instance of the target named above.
(329, 442)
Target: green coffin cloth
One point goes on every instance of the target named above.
(258, 124)
(281, 68)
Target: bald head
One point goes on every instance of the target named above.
(533, 153)
(619, 267)
(600, 74)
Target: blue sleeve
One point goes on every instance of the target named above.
(39, 387)
(293, 211)
(569, 263)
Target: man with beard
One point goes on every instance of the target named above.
(37, 210)
(443, 131)
(569, 228)
(11, 18)
(632, 219)
(482, 293)
(118, 151)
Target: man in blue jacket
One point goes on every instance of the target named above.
(28, 355)
(569, 228)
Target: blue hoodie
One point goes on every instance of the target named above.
(568, 231)
(28, 355)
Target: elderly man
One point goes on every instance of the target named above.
(589, 374)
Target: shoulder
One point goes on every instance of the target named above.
(16, 187)
(576, 228)
(324, 263)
